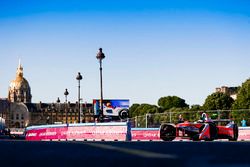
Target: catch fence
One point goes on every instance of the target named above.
(156, 119)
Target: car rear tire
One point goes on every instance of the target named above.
(213, 132)
(167, 132)
(235, 133)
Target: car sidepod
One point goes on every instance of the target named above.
(205, 132)
(208, 132)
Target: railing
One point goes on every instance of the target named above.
(155, 120)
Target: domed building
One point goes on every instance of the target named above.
(19, 89)
(19, 112)
(18, 94)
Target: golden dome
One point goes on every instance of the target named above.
(19, 89)
(19, 83)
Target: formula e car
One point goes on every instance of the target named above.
(204, 129)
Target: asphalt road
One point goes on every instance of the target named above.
(121, 154)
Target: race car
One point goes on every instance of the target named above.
(204, 129)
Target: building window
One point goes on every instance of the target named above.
(22, 117)
(17, 116)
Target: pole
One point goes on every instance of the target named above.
(79, 78)
(58, 109)
(100, 56)
(79, 109)
(136, 122)
(66, 93)
(101, 89)
(56, 114)
(170, 117)
(66, 107)
(1, 122)
(51, 115)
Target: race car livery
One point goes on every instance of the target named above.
(204, 129)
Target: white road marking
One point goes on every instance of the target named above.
(140, 153)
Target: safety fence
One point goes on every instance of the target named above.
(156, 119)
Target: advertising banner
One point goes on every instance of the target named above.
(244, 133)
(145, 134)
(107, 133)
(47, 133)
(89, 131)
(112, 107)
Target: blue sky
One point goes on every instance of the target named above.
(153, 48)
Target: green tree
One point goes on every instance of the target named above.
(146, 108)
(218, 101)
(169, 102)
(243, 97)
(196, 107)
(132, 110)
(142, 109)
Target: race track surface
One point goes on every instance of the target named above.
(124, 154)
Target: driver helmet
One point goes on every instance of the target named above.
(205, 118)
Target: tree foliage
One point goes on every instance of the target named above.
(243, 97)
(142, 109)
(133, 111)
(175, 105)
(196, 107)
(218, 101)
(169, 102)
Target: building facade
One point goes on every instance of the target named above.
(19, 111)
(231, 91)
(19, 93)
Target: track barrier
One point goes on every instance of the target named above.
(118, 131)
(244, 134)
(145, 134)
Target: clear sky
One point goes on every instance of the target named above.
(153, 48)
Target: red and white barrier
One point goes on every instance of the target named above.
(119, 131)
(244, 134)
(145, 134)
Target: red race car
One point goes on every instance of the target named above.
(204, 129)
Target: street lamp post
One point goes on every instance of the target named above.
(100, 56)
(49, 114)
(58, 108)
(52, 110)
(79, 78)
(66, 93)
